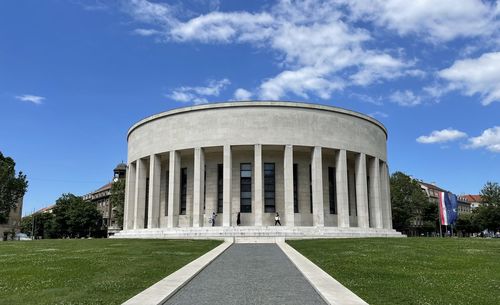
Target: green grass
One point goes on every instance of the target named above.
(99, 271)
(412, 270)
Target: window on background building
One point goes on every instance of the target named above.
(295, 189)
(332, 194)
(146, 208)
(183, 191)
(269, 188)
(167, 178)
(220, 187)
(245, 187)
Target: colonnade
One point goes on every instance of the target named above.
(369, 201)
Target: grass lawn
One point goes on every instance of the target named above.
(412, 270)
(98, 271)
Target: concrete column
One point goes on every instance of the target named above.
(352, 193)
(226, 190)
(317, 187)
(341, 188)
(198, 186)
(140, 194)
(174, 173)
(128, 213)
(361, 191)
(258, 188)
(386, 188)
(288, 185)
(154, 192)
(375, 207)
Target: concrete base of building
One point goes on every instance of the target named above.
(257, 234)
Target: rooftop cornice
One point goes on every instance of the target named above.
(291, 104)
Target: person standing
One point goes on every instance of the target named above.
(277, 219)
(214, 216)
(238, 219)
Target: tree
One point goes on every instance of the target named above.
(12, 188)
(430, 216)
(490, 194)
(408, 201)
(487, 216)
(44, 226)
(465, 224)
(75, 217)
(118, 200)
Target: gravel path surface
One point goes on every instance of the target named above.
(249, 274)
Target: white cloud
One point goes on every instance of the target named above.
(242, 95)
(299, 82)
(405, 98)
(35, 99)
(476, 76)
(379, 114)
(198, 95)
(442, 20)
(318, 51)
(160, 14)
(440, 136)
(146, 32)
(490, 139)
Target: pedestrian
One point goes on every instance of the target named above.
(277, 219)
(214, 216)
(238, 220)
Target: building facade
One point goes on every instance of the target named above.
(475, 201)
(102, 199)
(12, 226)
(316, 166)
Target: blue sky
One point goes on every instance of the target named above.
(75, 75)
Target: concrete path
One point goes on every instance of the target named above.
(248, 274)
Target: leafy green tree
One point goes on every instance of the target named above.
(490, 194)
(408, 201)
(118, 200)
(488, 217)
(26, 224)
(75, 217)
(465, 224)
(44, 225)
(430, 215)
(12, 188)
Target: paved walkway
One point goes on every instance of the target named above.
(248, 274)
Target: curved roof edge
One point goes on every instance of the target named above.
(256, 103)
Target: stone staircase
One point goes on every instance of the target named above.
(256, 234)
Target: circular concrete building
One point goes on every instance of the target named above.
(322, 169)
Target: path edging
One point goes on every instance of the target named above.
(158, 293)
(332, 292)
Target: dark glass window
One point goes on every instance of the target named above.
(368, 191)
(167, 179)
(349, 192)
(146, 208)
(269, 188)
(183, 191)
(245, 187)
(332, 195)
(310, 188)
(204, 187)
(295, 189)
(220, 187)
